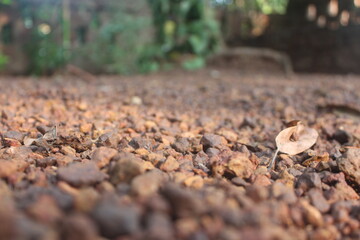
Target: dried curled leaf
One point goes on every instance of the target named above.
(316, 159)
(296, 139)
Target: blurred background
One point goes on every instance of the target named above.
(42, 37)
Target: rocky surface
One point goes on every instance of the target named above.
(186, 160)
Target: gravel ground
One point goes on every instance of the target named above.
(178, 156)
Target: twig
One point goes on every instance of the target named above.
(273, 160)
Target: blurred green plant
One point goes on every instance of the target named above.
(262, 6)
(120, 38)
(43, 48)
(186, 32)
(6, 2)
(117, 45)
(45, 54)
(3, 60)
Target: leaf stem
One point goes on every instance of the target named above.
(273, 160)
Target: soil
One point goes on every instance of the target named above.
(178, 155)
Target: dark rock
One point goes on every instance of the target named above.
(30, 195)
(28, 229)
(333, 178)
(201, 161)
(139, 142)
(79, 174)
(44, 162)
(184, 203)
(79, 226)
(45, 210)
(308, 180)
(211, 141)
(14, 135)
(181, 145)
(109, 139)
(318, 200)
(212, 152)
(159, 227)
(115, 220)
(8, 228)
(341, 136)
(238, 181)
(43, 129)
(127, 167)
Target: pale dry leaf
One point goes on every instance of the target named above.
(296, 139)
(28, 141)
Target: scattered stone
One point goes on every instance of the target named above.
(102, 156)
(9, 167)
(147, 183)
(195, 182)
(349, 164)
(239, 182)
(109, 139)
(184, 203)
(68, 151)
(308, 180)
(312, 215)
(212, 141)
(228, 134)
(341, 136)
(116, 220)
(181, 145)
(139, 142)
(45, 210)
(77, 226)
(159, 226)
(85, 199)
(170, 164)
(9, 142)
(14, 135)
(211, 152)
(86, 127)
(63, 160)
(262, 180)
(189, 162)
(79, 174)
(127, 167)
(317, 199)
(236, 164)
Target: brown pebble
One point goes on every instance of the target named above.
(312, 215)
(147, 183)
(102, 156)
(127, 167)
(79, 174)
(170, 164)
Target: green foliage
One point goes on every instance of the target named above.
(45, 55)
(272, 6)
(194, 63)
(119, 39)
(117, 44)
(183, 27)
(3, 60)
(6, 2)
(263, 6)
(43, 49)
